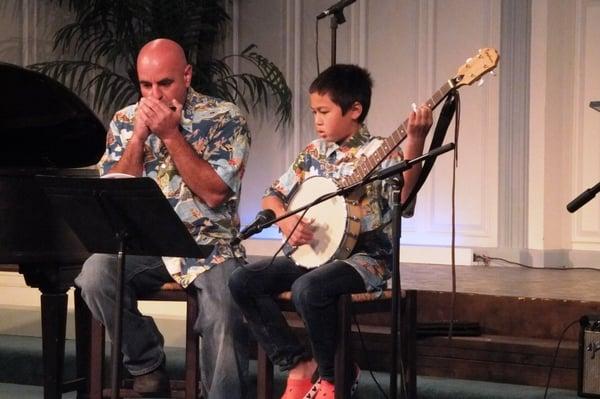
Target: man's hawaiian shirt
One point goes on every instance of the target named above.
(219, 134)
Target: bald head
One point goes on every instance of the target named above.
(163, 71)
(162, 50)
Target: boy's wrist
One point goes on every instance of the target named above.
(413, 147)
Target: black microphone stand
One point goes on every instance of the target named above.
(337, 18)
(397, 171)
(583, 198)
(397, 184)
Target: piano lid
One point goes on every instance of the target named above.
(44, 124)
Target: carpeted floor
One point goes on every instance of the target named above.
(21, 376)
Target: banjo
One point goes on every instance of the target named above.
(337, 220)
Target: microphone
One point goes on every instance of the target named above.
(583, 198)
(339, 6)
(263, 217)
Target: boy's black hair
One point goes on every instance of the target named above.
(345, 84)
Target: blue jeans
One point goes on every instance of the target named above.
(315, 293)
(223, 353)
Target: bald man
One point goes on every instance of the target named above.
(195, 147)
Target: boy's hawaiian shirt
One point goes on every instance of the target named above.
(218, 132)
(372, 254)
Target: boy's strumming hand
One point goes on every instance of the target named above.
(302, 234)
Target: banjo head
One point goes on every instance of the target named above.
(330, 222)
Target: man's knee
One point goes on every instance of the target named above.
(95, 273)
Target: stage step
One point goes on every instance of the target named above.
(498, 358)
(498, 339)
(486, 357)
(518, 341)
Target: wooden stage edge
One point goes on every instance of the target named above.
(522, 313)
(513, 281)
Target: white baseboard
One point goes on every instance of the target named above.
(408, 253)
(562, 258)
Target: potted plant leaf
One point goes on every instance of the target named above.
(106, 36)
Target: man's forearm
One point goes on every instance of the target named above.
(197, 173)
(132, 160)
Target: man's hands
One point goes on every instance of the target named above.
(156, 117)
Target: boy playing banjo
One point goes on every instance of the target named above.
(339, 99)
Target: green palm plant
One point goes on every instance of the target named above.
(106, 35)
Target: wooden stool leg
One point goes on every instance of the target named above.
(83, 319)
(264, 375)
(96, 358)
(192, 369)
(343, 358)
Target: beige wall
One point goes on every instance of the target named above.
(411, 48)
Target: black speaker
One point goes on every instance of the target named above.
(588, 375)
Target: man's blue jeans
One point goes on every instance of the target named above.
(315, 293)
(223, 353)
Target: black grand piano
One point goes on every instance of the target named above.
(45, 129)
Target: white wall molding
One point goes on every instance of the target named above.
(29, 32)
(477, 174)
(585, 230)
(514, 127)
(541, 258)
(358, 33)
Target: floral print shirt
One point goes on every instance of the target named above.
(218, 132)
(372, 254)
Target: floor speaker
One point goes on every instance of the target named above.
(588, 375)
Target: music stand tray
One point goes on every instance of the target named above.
(99, 209)
(121, 216)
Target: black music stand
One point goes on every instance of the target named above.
(121, 216)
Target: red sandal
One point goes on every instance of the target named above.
(298, 389)
(326, 389)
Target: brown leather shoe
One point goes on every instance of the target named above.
(155, 382)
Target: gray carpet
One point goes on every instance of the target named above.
(21, 377)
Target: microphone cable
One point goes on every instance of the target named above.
(368, 360)
(571, 324)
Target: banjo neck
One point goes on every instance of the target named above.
(369, 163)
(483, 62)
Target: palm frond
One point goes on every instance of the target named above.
(103, 89)
(270, 79)
(106, 35)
